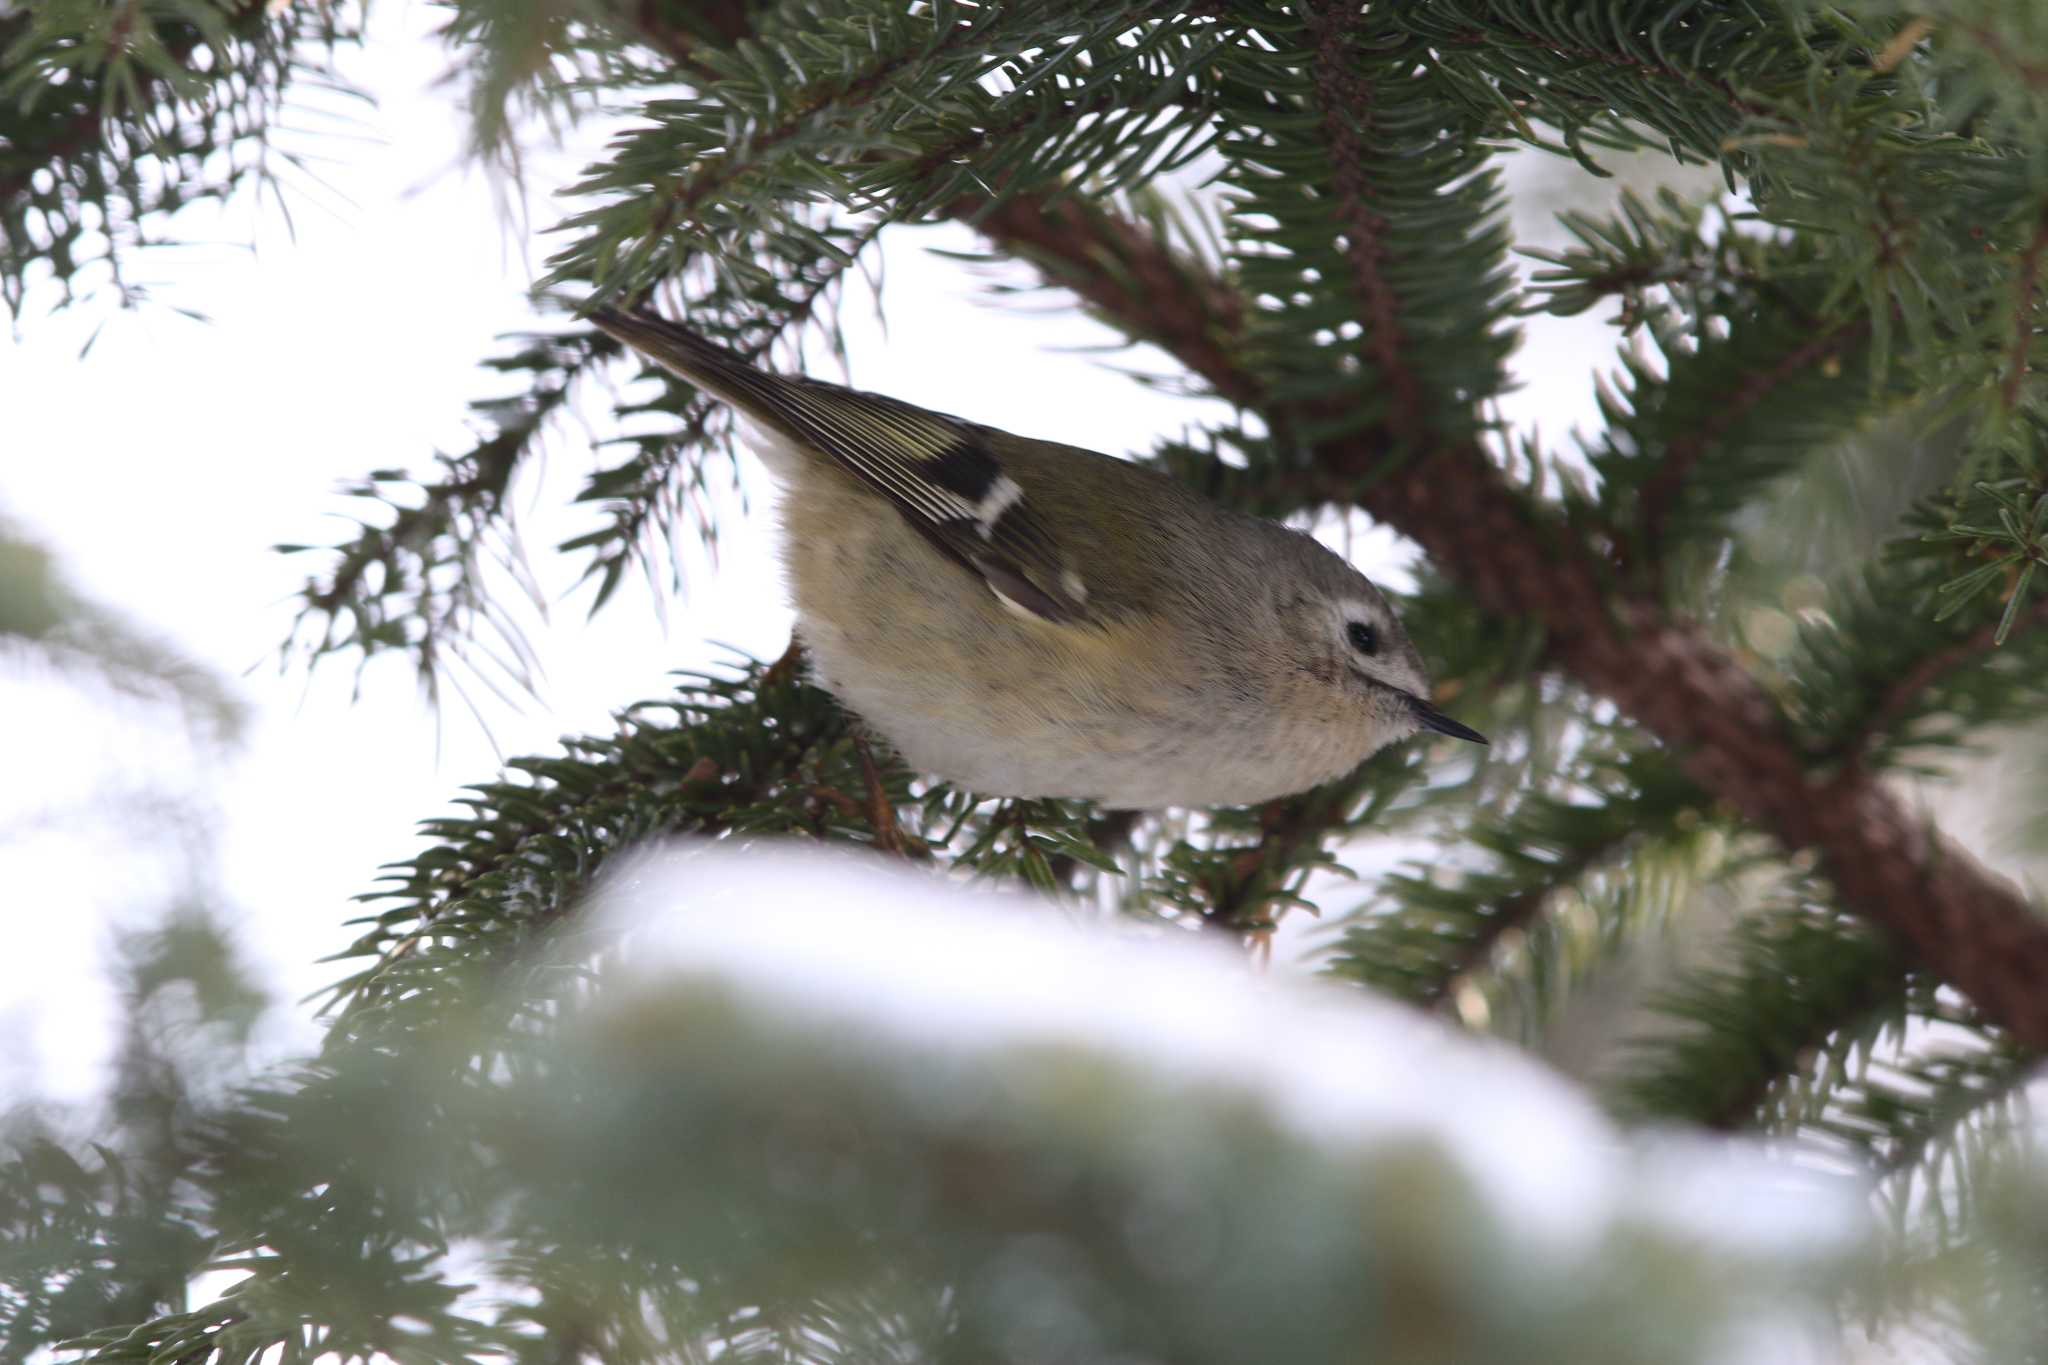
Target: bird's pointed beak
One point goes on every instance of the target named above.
(1433, 719)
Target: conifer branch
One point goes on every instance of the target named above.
(86, 130)
(114, 115)
(1798, 981)
(1343, 98)
(1663, 487)
(1973, 928)
(1898, 700)
(1516, 912)
(1126, 275)
(2023, 315)
(1777, 1059)
(1286, 828)
(1966, 924)
(1605, 822)
(1959, 1091)
(725, 22)
(2001, 50)
(717, 172)
(1578, 50)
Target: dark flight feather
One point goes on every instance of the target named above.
(939, 472)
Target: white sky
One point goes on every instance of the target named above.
(163, 465)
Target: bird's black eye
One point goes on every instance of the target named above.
(1363, 637)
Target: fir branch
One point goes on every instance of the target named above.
(752, 145)
(678, 32)
(1663, 487)
(1299, 174)
(384, 590)
(1242, 900)
(112, 116)
(1801, 974)
(716, 172)
(1127, 276)
(1694, 75)
(1344, 101)
(1108, 832)
(2023, 326)
(1571, 44)
(2001, 50)
(1518, 563)
(1514, 914)
(1898, 668)
(1905, 1118)
(1753, 380)
(1972, 927)
(758, 753)
(746, 756)
(1907, 695)
(1425, 930)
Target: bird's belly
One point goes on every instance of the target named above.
(995, 744)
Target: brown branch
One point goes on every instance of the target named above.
(1344, 101)
(1119, 271)
(1662, 487)
(1968, 925)
(2023, 316)
(1971, 927)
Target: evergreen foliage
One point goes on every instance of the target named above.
(1690, 842)
(115, 116)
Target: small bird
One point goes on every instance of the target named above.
(1025, 618)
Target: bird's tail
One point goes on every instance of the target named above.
(718, 370)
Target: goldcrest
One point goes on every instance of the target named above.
(1025, 618)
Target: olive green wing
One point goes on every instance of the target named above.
(940, 473)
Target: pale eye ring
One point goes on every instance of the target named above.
(1363, 637)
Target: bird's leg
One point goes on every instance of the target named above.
(788, 666)
(889, 836)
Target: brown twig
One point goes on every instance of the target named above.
(2023, 316)
(880, 811)
(1344, 102)
(1284, 826)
